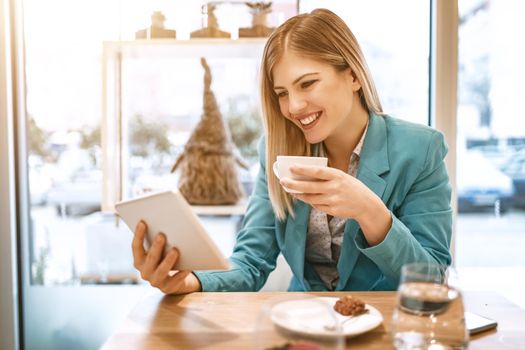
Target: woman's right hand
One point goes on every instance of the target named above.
(159, 272)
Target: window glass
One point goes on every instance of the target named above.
(63, 72)
(160, 95)
(161, 102)
(491, 144)
(73, 244)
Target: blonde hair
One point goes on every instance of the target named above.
(323, 36)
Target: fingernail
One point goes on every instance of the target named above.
(159, 238)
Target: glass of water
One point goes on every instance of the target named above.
(429, 313)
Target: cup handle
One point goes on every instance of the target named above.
(276, 173)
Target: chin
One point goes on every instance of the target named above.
(313, 139)
(316, 134)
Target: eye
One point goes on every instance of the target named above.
(281, 94)
(307, 83)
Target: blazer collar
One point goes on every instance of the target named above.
(372, 164)
(374, 154)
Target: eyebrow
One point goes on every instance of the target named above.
(296, 80)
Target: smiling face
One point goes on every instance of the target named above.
(316, 97)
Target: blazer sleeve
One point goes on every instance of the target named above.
(422, 225)
(256, 250)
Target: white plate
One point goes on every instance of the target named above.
(309, 317)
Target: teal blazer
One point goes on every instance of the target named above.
(403, 164)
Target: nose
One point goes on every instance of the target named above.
(296, 103)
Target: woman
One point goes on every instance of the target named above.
(384, 200)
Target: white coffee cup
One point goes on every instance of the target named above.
(281, 167)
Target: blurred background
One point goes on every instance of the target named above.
(85, 73)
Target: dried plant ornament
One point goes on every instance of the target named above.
(208, 164)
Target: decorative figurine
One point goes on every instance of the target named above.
(156, 30)
(259, 11)
(212, 30)
(208, 165)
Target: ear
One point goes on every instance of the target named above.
(356, 84)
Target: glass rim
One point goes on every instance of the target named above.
(427, 264)
(425, 271)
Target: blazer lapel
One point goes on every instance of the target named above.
(373, 162)
(295, 240)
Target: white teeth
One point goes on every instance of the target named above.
(310, 119)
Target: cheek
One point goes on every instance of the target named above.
(283, 106)
(343, 106)
(342, 100)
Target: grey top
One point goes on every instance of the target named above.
(325, 234)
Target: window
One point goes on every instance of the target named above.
(491, 145)
(73, 243)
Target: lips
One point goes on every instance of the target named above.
(309, 120)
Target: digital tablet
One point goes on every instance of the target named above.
(169, 212)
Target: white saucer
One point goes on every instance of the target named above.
(309, 317)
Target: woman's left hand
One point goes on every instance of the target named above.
(337, 193)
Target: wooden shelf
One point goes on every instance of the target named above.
(210, 48)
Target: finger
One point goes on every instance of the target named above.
(137, 245)
(153, 257)
(162, 273)
(315, 172)
(311, 187)
(313, 199)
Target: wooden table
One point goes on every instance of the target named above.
(227, 321)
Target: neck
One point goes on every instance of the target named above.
(339, 146)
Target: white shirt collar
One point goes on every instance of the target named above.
(357, 149)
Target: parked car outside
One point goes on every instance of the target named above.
(40, 180)
(80, 195)
(481, 185)
(514, 167)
